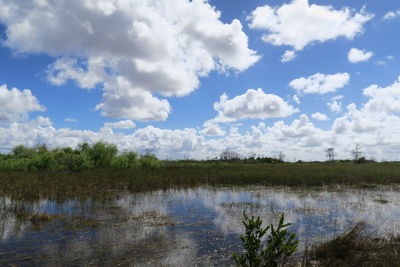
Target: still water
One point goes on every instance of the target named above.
(182, 227)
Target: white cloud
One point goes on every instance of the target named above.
(335, 106)
(15, 104)
(377, 132)
(254, 104)
(391, 15)
(296, 99)
(337, 97)
(319, 116)
(298, 23)
(141, 42)
(385, 99)
(289, 55)
(212, 129)
(124, 124)
(122, 99)
(375, 125)
(355, 55)
(320, 83)
(70, 120)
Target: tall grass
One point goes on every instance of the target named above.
(356, 247)
(106, 182)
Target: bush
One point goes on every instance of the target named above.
(100, 153)
(278, 247)
(72, 160)
(22, 151)
(150, 161)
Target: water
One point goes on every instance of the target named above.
(182, 227)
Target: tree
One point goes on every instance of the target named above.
(228, 154)
(356, 153)
(330, 154)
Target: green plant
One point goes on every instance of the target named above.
(275, 250)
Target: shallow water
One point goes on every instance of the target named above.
(182, 227)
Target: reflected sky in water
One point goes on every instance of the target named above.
(183, 227)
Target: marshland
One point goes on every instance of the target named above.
(94, 205)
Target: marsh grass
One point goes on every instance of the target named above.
(106, 183)
(355, 247)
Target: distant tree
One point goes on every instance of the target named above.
(228, 154)
(356, 153)
(281, 156)
(330, 154)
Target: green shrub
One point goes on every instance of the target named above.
(121, 161)
(72, 160)
(100, 153)
(44, 161)
(150, 161)
(22, 151)
(275, 251)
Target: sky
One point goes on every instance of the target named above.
(190, 79)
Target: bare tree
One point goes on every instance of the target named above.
(281, 156)
(228, 154)
(330, 154)
(356, 153)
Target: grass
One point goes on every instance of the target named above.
(106, 183)
(355, 247)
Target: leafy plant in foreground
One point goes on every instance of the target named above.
(276, 249)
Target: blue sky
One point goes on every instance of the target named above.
(189, 79)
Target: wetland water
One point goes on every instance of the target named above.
(182, 227)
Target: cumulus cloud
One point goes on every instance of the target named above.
(124, 124)
(140, 42)
(289, 55)
(122, 99)
(320, 83)
(319, 116)
(299, 24)
(386, 99)
(391, 15)
(212, 129)
(299, 139)
(254, 104)
(375, 125)
(334, 106)
(15, 104)
(355, 55)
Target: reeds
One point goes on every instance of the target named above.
(103, 183)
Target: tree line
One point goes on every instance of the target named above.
(85, 156)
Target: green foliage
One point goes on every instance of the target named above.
(126, 160)
(150, 161)
(86, 156)
(275, 251)
(43, 162)
(21, 151)
(69, 159)
(251, 242)
(101, 154)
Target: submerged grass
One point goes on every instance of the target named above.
(106, 183)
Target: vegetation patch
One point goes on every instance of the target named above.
(355, 247)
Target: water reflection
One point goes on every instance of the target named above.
(181, 227)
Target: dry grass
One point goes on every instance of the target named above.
(356, 247)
